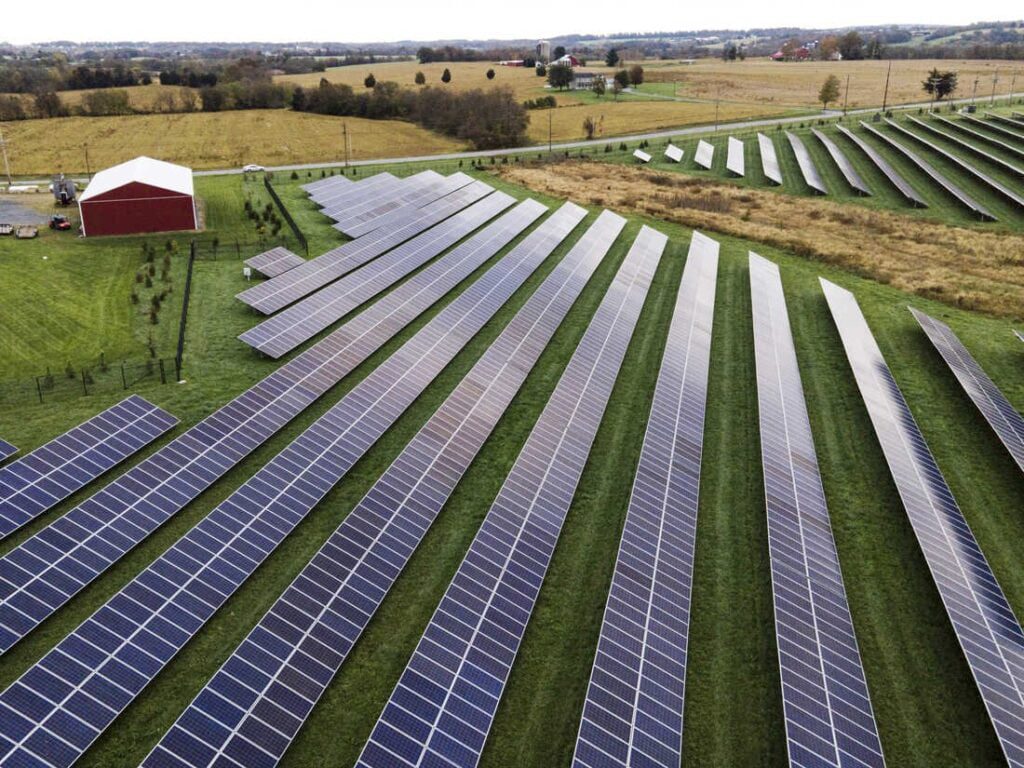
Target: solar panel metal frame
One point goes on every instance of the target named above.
(1019, 335)
(806, 163)
(769, 159)
(280, 334)
(981, 176)
(734, 157)
(6, 450)
(968, 146)
(826, 704)
(642, 156)
(980, 135)
(408, 203)
(407, 187)
(929, 170)
(1000, 414)
(895, 177)
(636, 692)
(1008, 121)
(173, 598)
(1019, 116)
(854, 179)
(674, 153)
(40, 480)
(544, 475)
(346, 581)
(274, 262)
(984, 623)
(996, 127)
(704, 156)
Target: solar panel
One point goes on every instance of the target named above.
(274, 262)
(444, 703)
(883, 165)
(39, 481)
(966, 200)
(980, 135)
(984, 178)
(825, 701)
(320, 184)
(1008, 122)
(807, 168)
(995, 127)
(642, 156)
(41, 574)
(839, 157)
(968, 146)
(997, 410)
(734, 162)
(336, 595)
(299, 323)
(633, 713)
(281, 291)
(6, 450)
(674, 153)
(114, 654)
(368, 186)
(1018, 116)
(1019, 335)
(704, 155)
(769, 160)
(352, 212)
(989, 633)
(407, 203)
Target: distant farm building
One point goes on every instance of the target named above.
(141, 195)
(544, 51)
(566, 61)
(512, 63)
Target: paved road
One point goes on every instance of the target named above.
(562, 146)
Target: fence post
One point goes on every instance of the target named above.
(85, 388)
(163, 375)
(287, 216)
(39, 391)
(184, 314)
(124, 379)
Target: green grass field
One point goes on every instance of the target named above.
(928, 710)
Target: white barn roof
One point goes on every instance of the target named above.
(143, 170)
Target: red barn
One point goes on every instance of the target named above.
(142, 195)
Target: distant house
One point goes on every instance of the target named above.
(512, 63)
(799, 54)
(141, 195)
(584, 81)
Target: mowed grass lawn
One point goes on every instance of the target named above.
(927, 707)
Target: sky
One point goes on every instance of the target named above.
(392, 20)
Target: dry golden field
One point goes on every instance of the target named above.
(209, 140)
(144, 98)
(967, 268)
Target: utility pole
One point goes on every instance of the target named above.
(550, 114)
(88, 169)
(974, 93)
(344, 132)
(3, 148)
(935, 89)
(718, 98)
(846, 98)
(995, 79)
(1013, 85)
(885, 96)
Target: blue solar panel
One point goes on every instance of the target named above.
(404, 204)
(6, 450)
(131, 638)
(37, 482)
(828, 713)
(365, 204)
(997, 410)
(445, 701)
(336, 595)
(989, 633)
(274, 262)
(633, 713)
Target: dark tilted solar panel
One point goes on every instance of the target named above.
(734, 161)
(368, 186)
(299, 323)
(274, 262)
(989, 633)
(705, 154)
(408, 203)
(927, 168)
(400, 188)
(854, 179)
(98, 670)
(961, 126)
(807, 167)
(37, 482)
(1016, 170)
(825, 700)
(336, 595)
(995, 127)
(278, 293)
(327, 181)
(6, 450)
(1010, 123)
(1019, 116)
(445, 701)
(769, 160)
(45, 571)
(997, 410)
(633, 713)
(895, 177)
(984, 178)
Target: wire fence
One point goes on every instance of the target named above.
(56, 384)
(214, 249)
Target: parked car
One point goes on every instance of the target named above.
(252, 168)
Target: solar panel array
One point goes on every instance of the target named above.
(989, 125)
(674, 153)
(1019, 335)
(336, 595)
(854, 179)
(807, 168)
(296, 283)
(769, 160)
(960, 125)
(381, 187)
(95, 672)
(827, 709)
(274, 262)
(895, 177)
(734, 161)
(6, 450)
(1018, 116)
(321, 184)
(984, 178)
(633, 713)
(968, 146)
(406, 204)
(966, 200)
(989, 633)
(302, 321)
(705, 154)
(42, 479)
(445, 701)
(340, 193)
(1008, 121)
(354, 210)
(997, 410)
